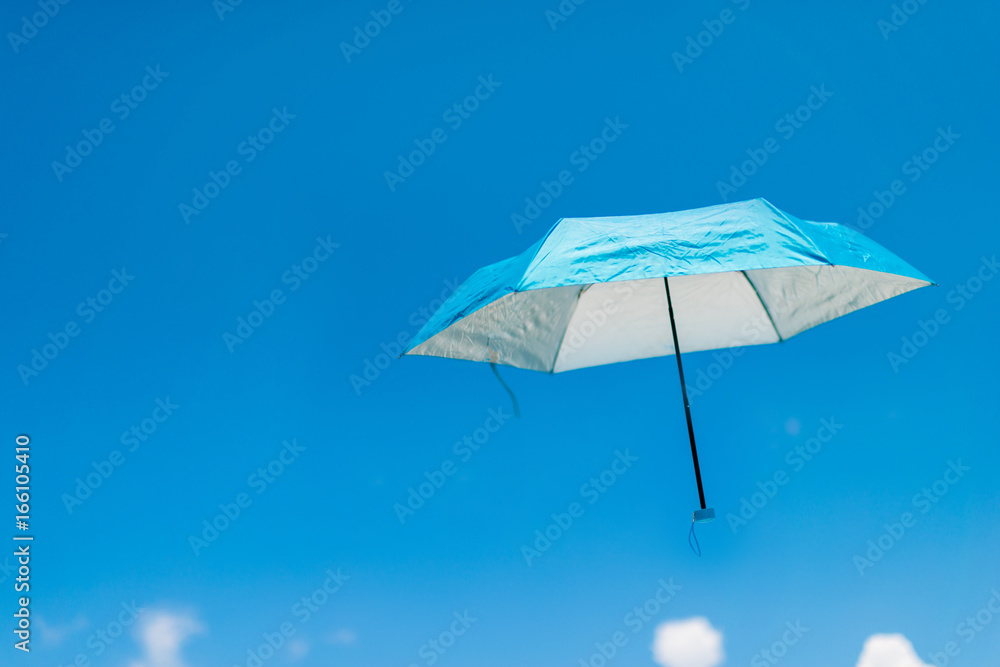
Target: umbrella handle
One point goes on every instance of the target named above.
(704, 514)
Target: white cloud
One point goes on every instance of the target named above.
(298, 649)
(689, 643)
(55, 634)
(889, 651)
(344, 636)
(162, 634)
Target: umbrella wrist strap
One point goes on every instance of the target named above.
(510, 392)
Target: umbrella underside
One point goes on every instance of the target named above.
(563, 328)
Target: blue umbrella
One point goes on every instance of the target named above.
(605, 290)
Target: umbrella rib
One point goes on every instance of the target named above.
(764, 306)
(576, 302)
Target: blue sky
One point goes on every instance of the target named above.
(245, 172)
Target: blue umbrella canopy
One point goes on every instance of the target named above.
(591, 291)
(605, 290)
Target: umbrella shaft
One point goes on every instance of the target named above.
(687, 406)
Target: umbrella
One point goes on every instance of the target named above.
(605, 290)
